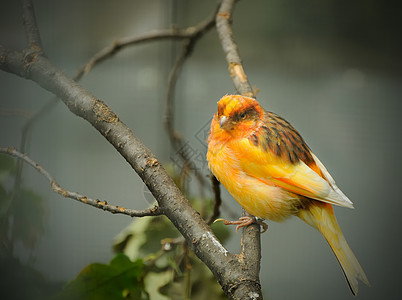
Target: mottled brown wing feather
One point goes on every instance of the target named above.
(279, 137)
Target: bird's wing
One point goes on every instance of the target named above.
(296, 177)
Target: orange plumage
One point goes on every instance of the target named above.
(268, 168)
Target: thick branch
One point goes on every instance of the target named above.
(155, 211)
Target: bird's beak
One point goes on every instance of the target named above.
(223, 121)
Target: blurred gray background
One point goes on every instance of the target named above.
(331, 68)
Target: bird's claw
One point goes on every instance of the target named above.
(244, 221)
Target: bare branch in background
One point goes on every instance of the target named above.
(24, 138)
(174, 33)
(186, 50)
(120, 44)
(174, 136)
(155, 211)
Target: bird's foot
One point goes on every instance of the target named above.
(244, 221)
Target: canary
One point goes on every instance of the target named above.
(268, 168)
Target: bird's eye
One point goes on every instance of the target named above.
(243, 116)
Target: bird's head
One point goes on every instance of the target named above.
(237, 116)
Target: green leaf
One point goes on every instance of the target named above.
(143, 236)
(159, 228)
(154, 281)
(118, 280)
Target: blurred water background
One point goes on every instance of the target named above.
(331, 68)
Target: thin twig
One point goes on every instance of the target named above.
(174, 136)
(24, 137)
(122, 43)
(155, 211)
(186, 50)
(33, 119)
(174, 33)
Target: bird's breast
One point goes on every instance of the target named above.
(258, 196)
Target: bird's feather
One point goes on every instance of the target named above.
(298, 177)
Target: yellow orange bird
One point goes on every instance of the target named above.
(268, 168)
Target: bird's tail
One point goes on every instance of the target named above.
(321, 216)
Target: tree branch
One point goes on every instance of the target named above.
(155, 211)
(223, 20)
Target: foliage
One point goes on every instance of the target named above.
(118, 280)
(152, 262)
(171, 270)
